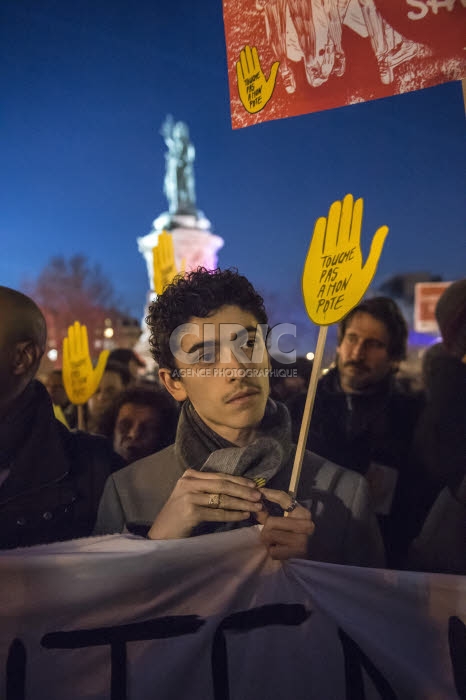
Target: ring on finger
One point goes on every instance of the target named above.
(214, 500)
(292, 505)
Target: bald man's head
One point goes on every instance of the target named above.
(23, 335)
(21, 318)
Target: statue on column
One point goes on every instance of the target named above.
(179, 173)
(193, 239)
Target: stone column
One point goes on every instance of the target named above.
(194, 244)
(192, 238)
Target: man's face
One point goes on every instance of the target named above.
(107, 392)
(136, 433)
(7, 380)
(19, 355)
(228, 400)
(133, 368)
(362, 356)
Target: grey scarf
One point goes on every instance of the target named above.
(201, 448)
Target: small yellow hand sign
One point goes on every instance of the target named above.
(334, 278)
(164, 262)
(80, 379)
(253, 87)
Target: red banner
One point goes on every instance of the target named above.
(290, 57)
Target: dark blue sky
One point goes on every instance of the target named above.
(85, 87)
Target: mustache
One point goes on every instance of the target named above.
(246, 386)
(358, 365)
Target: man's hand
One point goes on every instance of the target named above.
(200, 497)
(253, 87)
(80, 379)
(164, 262)
(285, 538)
(334, 278)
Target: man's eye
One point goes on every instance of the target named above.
(248, 347)
(375, 344)
(207, 356)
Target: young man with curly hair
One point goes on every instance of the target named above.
(231, 462)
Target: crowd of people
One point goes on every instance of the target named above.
(210, 447)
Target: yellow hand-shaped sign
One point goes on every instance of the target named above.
(164, 262)
(334, 278)
(253, 87)
(79, 377)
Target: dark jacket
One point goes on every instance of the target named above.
(441, 544)
(440, 436)
(440, 442)
(51, 479)
(355, 430)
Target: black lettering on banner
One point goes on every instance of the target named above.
(279, 614)
(457, 643)
(163, 628)
(355, 661)
(16, 671)
(117, 637)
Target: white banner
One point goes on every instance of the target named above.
(214, 618)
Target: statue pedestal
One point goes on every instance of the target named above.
(194, 244)
(192, 238)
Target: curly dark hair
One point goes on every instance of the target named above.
(387, 311)
(199, 293)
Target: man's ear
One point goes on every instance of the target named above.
(173, 385)
(26, 356)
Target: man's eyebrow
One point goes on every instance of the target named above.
(250, 329)
(210, 344)
(201, 344)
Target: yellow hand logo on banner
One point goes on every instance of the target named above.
(253, 87)
(164, 262)
(80, 379)
(334, 278)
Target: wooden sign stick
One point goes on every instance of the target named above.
(81, 421)
(307, 415)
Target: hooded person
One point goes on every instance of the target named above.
(441, 441)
